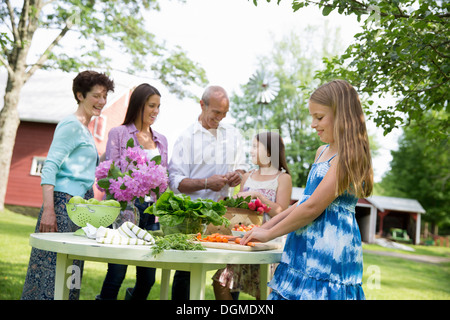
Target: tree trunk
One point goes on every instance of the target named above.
(17, 76)
(9, 123)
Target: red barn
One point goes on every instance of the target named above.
(32, 143)
(45, 99)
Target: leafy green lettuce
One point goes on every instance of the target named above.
(171, 210)
(236, 202)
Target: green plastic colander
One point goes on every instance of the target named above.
(96, 215)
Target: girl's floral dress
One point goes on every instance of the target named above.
(245, 277)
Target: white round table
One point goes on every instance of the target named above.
(69, 247)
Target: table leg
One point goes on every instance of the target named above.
(61, 276)
(198, 278)
(264, 278)
(165, 281)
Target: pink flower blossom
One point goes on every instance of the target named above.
(101, 172)
(102, 169)
(140, 177)
(136, 155)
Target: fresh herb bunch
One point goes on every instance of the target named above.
(238, 202)
(172, 209)
(176, 241)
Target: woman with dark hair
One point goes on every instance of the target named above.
(143, 109)
(69, 170)
(271, 183)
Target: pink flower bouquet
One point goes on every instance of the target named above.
(131, 177)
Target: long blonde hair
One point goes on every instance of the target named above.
(354, 168)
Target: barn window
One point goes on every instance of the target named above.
(99, 127)
(36, 166)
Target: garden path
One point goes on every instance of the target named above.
(415, 257)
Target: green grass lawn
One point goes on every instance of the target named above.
(15, 253)
(401, 279)
(385, 278)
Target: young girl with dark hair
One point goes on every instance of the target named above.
(272, 184)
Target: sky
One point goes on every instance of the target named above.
(226, 37)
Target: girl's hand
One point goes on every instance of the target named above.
(245, 194)
(257, 233)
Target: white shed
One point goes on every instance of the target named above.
(391, 212)
(376, 215)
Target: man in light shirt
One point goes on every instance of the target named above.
(208, 159)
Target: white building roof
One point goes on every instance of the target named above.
(396, 204)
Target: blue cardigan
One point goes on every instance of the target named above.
(72, 158)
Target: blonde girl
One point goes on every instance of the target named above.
(322, 258)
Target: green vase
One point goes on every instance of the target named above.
(188, 226)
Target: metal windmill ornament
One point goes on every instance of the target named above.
(264, 86)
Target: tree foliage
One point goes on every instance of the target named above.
(420, 170)
(101, 27)
(96, 29)
(293, 62)
(402, 52)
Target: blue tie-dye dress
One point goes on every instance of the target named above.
(322, 260)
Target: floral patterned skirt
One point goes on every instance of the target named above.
(242, 277)
(40, 279)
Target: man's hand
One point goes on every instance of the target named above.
(234, 178)
(216, 182)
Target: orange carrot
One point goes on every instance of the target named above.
(238, 241)
(229, 237)
(221, 238)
